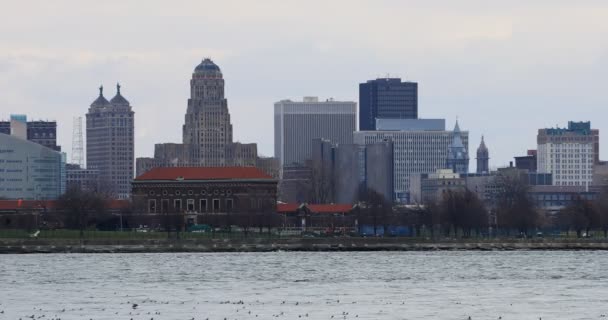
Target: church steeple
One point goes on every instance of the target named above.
(458, 156)
(483, 157)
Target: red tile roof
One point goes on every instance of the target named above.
(26, 204)
(315, 208)
(51, 204)
(203, 173)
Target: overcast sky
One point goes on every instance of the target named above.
(504, 70)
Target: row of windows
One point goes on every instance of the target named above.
(191, 192)
(190, 206)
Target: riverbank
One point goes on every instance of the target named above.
(17, 246)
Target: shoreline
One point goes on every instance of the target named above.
(30, 246)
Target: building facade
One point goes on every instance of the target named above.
(30, 171)
(568, 153)
(527, 162)
(483, 157)
(458, 155)
(388, 98)
(40, 132)
(205, 191)
(82, 178)
(414, 152)
(110, 143)
(207, 128)
(296, 124)
(430, 188)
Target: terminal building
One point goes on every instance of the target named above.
(28, 170)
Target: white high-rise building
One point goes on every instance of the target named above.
(568, 153)
(414, 151)
(297, 123)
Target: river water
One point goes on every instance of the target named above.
(306, 285)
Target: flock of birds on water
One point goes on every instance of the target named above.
(136, 311)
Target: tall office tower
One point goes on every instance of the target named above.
(207, 127)
(458, 155)
(568, 153)
(296, 124)
(419, 146)
(40, 132)
(483, 158)
(388, 98)
(110, 147)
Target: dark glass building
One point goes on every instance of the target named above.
(388, 98)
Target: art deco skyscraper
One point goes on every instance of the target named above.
(207, 129)
(110, 147)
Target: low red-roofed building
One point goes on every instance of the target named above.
(205, 191)
(323, 218)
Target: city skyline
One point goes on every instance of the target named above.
(536, 84)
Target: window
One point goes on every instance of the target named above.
(177, 203)
(203, 192)
(165, 192)
(216, 205)
(203, 205)
(177, 192)
(164, 205)
(190, 192)
(152, 206)
(151, 192)
(190, 204)
(229, 205)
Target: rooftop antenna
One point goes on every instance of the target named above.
(77, 148)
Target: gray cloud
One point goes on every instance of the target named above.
(505, 69)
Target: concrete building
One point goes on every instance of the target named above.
(388, 98)
(269, 165)
(207, 127)
(414, 152)
(295, 183)
(568, 153)
(378, 175)
(29, 170)
(428, 188)
(527, 162)
(346, 174)
(41, 132)
(82, 178)
(110, 143)
(241, 154)
(296, 124)
(483, 157)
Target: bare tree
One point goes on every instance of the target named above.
(515, 210)
(79, 207)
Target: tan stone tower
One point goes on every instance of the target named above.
(207, 129)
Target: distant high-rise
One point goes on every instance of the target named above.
(40, 132)
(424, 150)
(207, 127)
(110, 149)
(296, 124)
(483, 157)
(207, 131)
(568, 153)
(387, 98)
